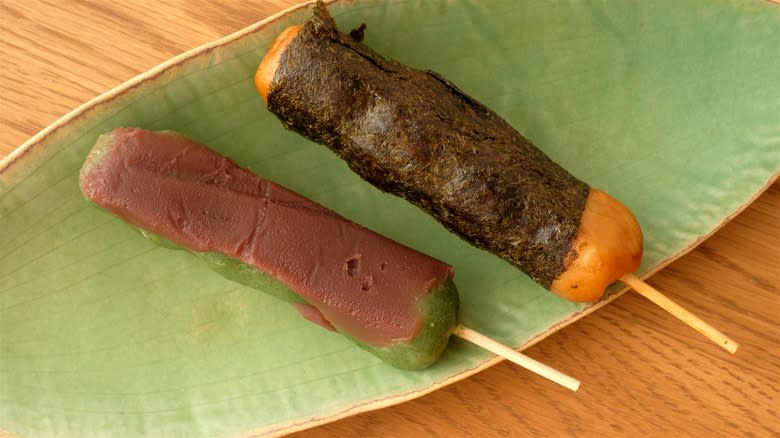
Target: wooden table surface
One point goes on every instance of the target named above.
(643, 372)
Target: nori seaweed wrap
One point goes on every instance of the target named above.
(414, 134)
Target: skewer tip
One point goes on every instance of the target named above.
(516, 357)
(680, 313)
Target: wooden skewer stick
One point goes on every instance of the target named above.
(678, 311)
(512, 355)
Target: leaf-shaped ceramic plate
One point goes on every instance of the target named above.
(671, 107)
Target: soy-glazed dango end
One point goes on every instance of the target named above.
(395, 302)
(450, 155)
(607, 246)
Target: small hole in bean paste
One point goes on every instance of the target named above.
(368, 281)
(382, 266)
(353, 266)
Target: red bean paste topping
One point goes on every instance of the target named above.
(362, 283)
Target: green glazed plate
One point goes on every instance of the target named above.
(672, 107)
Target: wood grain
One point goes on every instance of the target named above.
(643, 372)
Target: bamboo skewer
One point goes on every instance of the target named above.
(573, 384)
(512, 355)
(681, 313)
